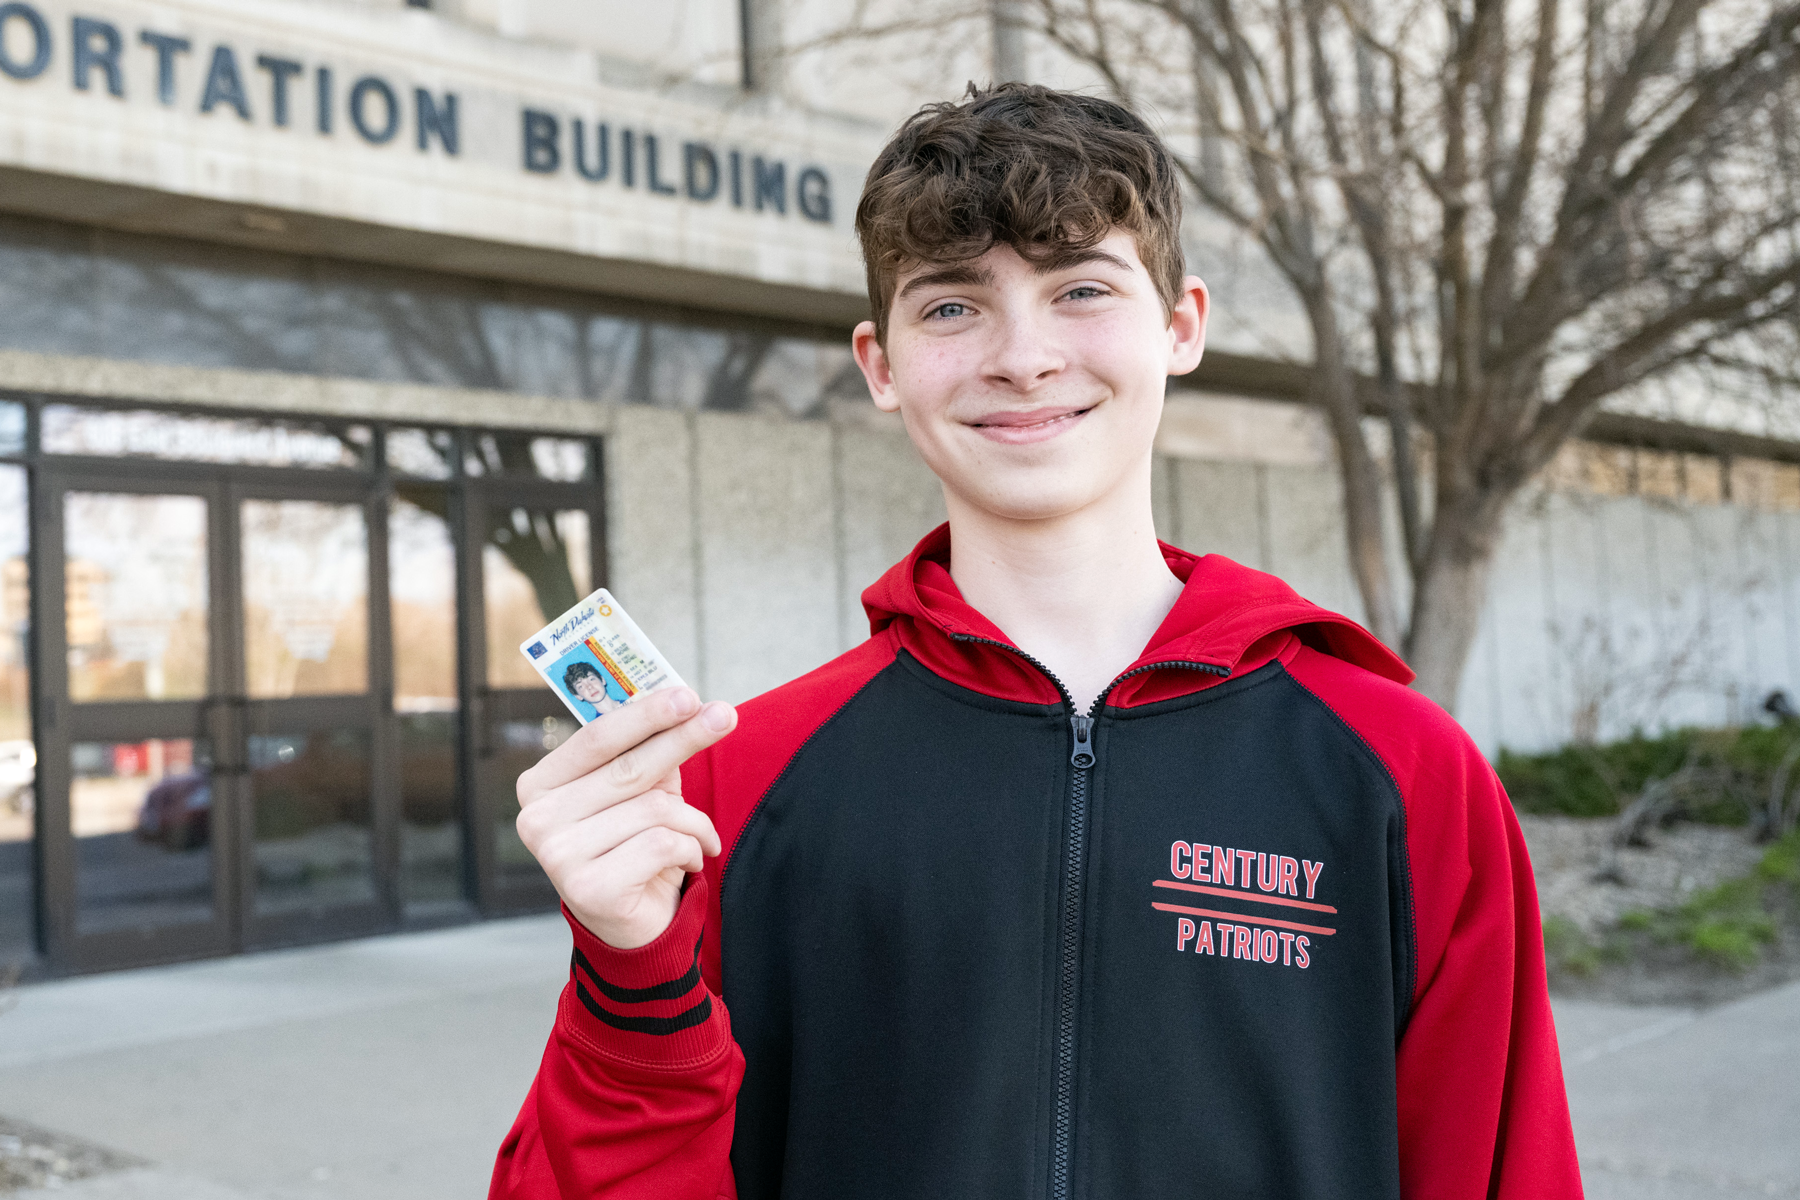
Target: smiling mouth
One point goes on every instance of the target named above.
(1029, 425)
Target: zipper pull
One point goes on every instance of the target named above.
(1083, 754)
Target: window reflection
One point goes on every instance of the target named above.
(164, 300)
(141, 816)
(169, 301)
(12, 427)
(310, 799)
(135, 596)
(141, 433)
(562, 459)
(18, 758)
(306, 611)
(422, 453)
(422, 591)
(518, 745)
(535, 566)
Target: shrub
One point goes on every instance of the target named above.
(1598, 781)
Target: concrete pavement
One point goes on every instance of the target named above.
(389, 1067)
(392, 1067)
(1671, 1104)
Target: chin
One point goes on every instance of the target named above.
(1033, 499)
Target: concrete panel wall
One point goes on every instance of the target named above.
(744, 543)
(652, 555)
(768, 578)
(1306, 536)
(1218, 508)
(888, 499)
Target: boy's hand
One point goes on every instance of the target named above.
(604, 816)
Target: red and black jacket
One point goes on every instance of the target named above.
(1261, 924)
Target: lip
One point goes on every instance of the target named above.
(1021, 426)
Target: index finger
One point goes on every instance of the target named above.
(604, 739)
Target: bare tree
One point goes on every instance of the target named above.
(1494, 214)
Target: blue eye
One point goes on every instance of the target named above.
(948, 311)
(1083, 292)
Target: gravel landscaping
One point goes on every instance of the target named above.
(1585, 889)
(36, 1158)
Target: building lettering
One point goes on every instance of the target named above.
(549, 144)
(267, 88)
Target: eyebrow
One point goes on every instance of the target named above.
(969, 275)
(1064, 259)
(962, 274)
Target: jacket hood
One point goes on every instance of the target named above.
(1229, 619)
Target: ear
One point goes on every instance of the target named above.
(1187, 326)
(877, 370)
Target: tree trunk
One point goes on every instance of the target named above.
(1334, 393)
(1449, 593)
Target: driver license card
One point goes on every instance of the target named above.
(597, 659)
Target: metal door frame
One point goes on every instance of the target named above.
(227, 714)
(226, 717)
(484, 706)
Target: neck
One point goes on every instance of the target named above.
(1082, 593)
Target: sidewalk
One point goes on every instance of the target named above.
(389, 1068)
(392, 1067)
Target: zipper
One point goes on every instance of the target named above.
(1062, 1144)
(1083, 759)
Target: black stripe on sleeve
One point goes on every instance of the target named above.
(659, 1026)
(672, 990)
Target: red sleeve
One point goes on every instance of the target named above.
(1483, 1111)
(636, 1095)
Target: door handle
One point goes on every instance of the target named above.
(227, 736)
(480, 713)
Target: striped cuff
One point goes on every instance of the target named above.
(648, 1006)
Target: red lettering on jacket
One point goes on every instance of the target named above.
(1300, 959)
(1184, 933)
(1201, 873)
(1241, 942)
(1287, 948)
(1268, 870)
(1181, 857)
(1312, 875)
(1267, 938)
(1245, 861)
(1290, 872)
(1224, 864)
(1205, 944)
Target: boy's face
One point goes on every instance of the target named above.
(589, 688)
(1033, 391)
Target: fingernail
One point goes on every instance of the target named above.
(717, 717)
(682, 701)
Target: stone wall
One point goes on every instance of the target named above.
(743, 543)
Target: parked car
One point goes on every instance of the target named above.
(177, 813)
(18, 772)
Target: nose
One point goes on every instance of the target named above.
(1022, 355)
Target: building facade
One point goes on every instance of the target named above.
(341, 344)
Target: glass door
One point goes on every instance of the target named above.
(211, 754)
(131, 720)
(538, 554)
(309, 750)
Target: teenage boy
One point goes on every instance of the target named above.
(584, 682)
(1100, 869)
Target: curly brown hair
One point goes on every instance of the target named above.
(1042, 171)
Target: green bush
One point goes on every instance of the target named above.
(1598, 781)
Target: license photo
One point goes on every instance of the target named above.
(597, 659)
